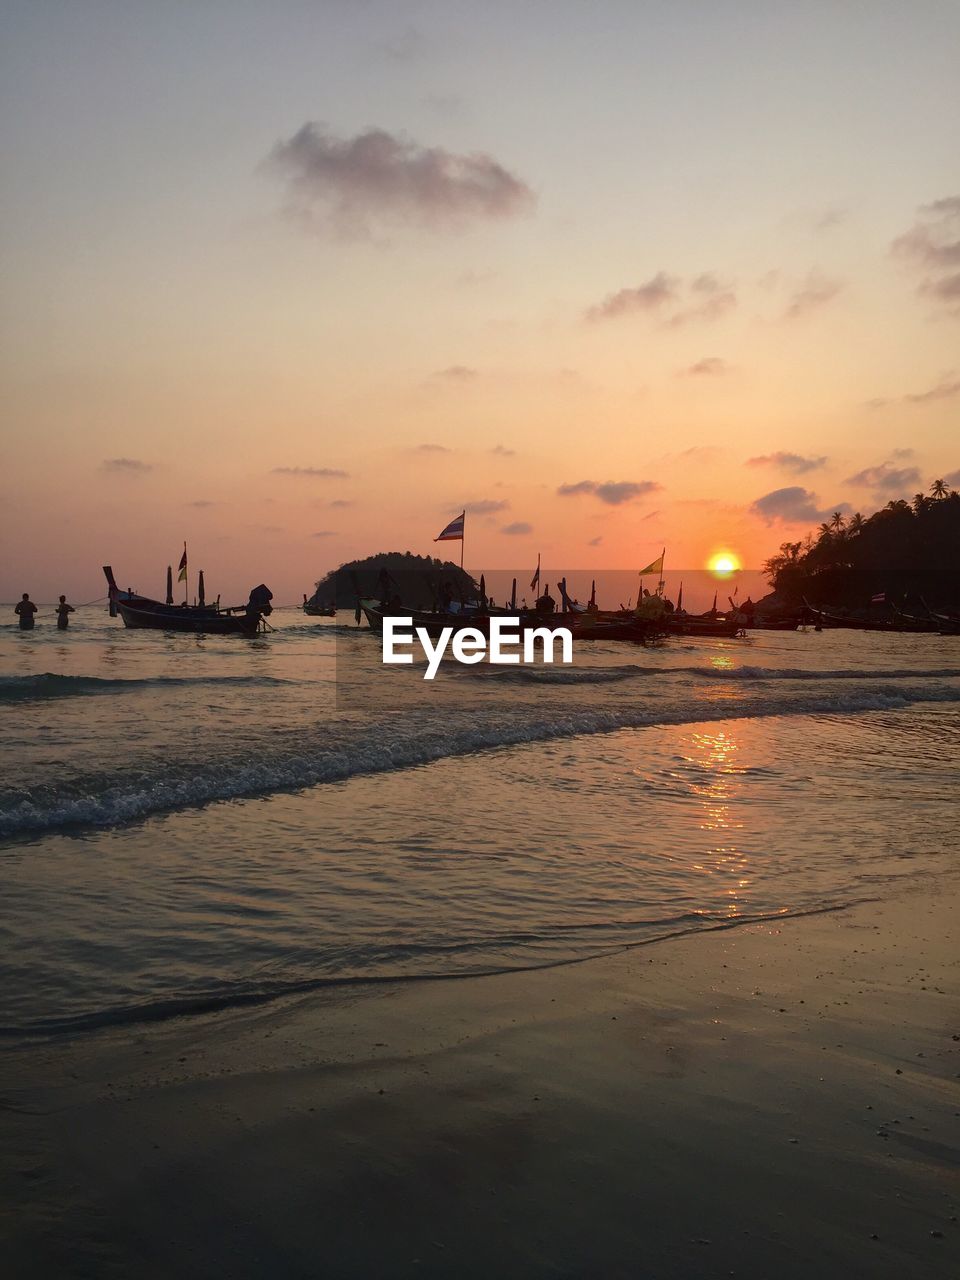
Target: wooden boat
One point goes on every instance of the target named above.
(314, 609)
(140, 612)
(830, 621)
(582, 626)
(773, 623)
(703, 625)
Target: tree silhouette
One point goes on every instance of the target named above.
(902, 549)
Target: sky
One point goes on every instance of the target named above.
(299, 282)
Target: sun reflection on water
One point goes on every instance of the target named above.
(718, 786)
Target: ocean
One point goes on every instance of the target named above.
(193, 825)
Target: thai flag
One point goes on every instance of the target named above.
(182, 575)
(454, 530)
(880, 598)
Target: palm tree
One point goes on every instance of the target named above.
(938, 489)
(856, 523)
(836, 522)
(826, 532)
(919, 502)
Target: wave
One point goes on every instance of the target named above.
(316, 757)
(573, 675)
(242, 995)
(49, 685)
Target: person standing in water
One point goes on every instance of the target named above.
(64, 611)
(25, 609)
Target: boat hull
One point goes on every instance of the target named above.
(150, 615)
(582, 627)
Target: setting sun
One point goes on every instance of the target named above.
(723, 564)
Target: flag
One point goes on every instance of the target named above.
(182, 575)
(454, 530)
(655, 566)
(535, 580)
(880, 598)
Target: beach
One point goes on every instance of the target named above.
(644, 966)
(776, 1098)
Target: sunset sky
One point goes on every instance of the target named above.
(297, 282)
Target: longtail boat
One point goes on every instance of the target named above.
(582, 626)
(140, 612)
(720, 625)
(901, 624)
(316, 609)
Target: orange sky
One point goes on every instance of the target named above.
(298, 285)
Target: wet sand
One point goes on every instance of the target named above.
(753, 1102)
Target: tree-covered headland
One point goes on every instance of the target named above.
(905, 551)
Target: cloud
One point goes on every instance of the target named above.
(616, 492)
(353, 185)
(814, 293)
(946, 290)
(710, 299)
(953, 478)
(788, 461)
(312, 473)
(457, 373)
(485, 506)
(431, 448)
(932, 247)
(708, 367)
(595, 542)
(793, 505)
(581, 486)
(404, 45)
(945, 389)
(503, 452)
(659, 289)
(129, 466)
(518, 527)
(324, 533)
(830, 218)
(704, 298)
(612, 492)
(342, 502)
(886, 479)
(200, 504)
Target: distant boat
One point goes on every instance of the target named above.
(899, 624)
(314, 609)
(140, 612)
(703, 624)
(582, 626)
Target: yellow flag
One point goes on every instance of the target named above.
(655, 567)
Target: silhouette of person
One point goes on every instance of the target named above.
(64, 611)
(25, 609)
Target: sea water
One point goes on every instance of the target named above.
(194, 824)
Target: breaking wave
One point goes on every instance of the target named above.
(336, 753)
(571, 675)
(49, 685)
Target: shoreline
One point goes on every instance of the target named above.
(750, 1103)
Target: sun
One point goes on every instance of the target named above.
(723, 564)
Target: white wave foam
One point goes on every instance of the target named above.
(112, 799)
